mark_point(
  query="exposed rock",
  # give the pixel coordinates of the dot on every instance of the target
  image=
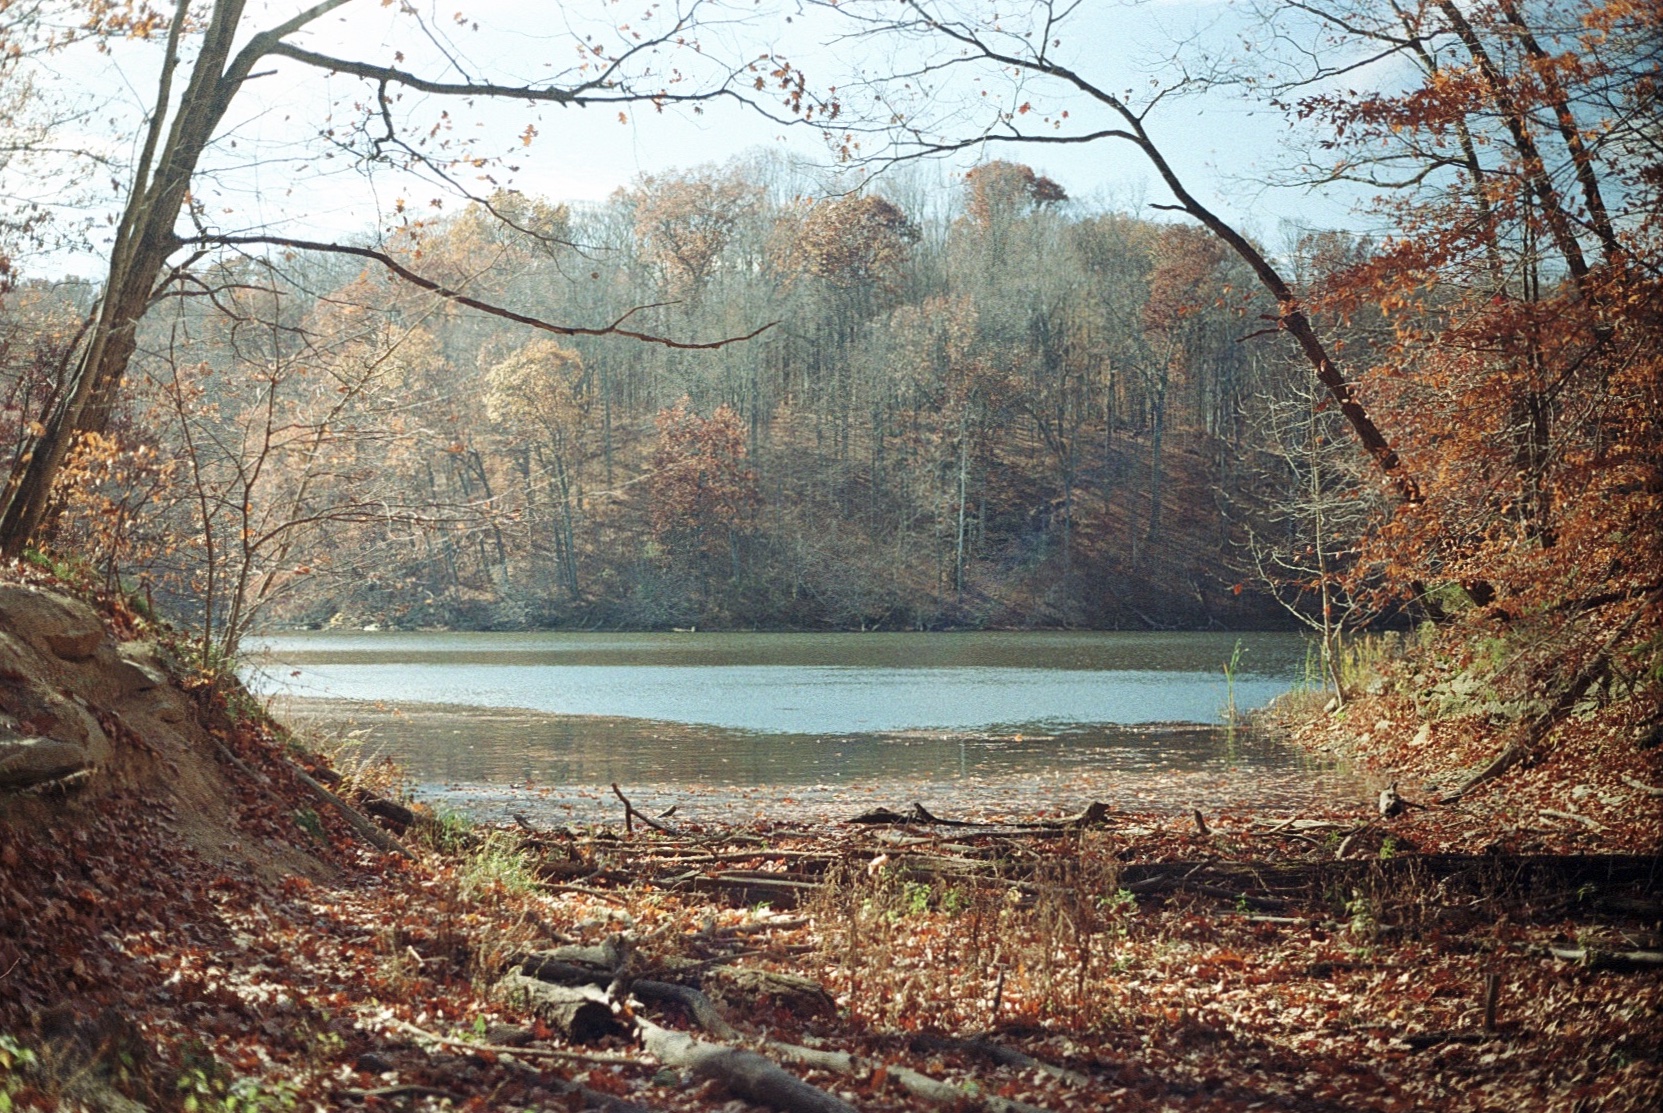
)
(56, 624)
(134, 677)
(31, 761)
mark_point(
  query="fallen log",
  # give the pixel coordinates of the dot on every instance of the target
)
(399, 816)
(801, 995)
(580, 1013)
(372, 834)
(937, 1092)
(1621, 961)
(1529, 740)
(703, 1011)
(606, 1057)
(744, 1073)
(997, 1053)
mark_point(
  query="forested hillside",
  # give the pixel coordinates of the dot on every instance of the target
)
(924, 404)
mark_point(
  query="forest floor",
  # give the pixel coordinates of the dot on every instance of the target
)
(198, 927)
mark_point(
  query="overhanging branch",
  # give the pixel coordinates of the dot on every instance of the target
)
(422, 282)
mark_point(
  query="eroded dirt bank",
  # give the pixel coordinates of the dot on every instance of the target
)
(184, 921)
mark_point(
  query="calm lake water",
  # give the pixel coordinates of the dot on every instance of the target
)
(536, 722)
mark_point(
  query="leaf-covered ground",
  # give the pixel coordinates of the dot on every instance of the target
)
(195, 927)
(1138, 968)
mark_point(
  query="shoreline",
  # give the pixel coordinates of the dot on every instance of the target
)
(722, 790)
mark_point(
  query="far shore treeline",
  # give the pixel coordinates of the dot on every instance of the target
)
(985, 406)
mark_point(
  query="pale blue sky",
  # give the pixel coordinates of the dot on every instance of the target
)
(270, 166)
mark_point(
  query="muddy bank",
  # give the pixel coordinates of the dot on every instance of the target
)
(491, 764)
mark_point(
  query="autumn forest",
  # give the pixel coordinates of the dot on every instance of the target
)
(921, 317)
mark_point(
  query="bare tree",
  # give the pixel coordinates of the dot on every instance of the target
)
(948, 47)
(210, 57)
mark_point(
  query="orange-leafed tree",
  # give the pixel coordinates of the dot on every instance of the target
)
(684, 222)
(1522, 365)
(702, 494)
(854, 241)
(999, 191)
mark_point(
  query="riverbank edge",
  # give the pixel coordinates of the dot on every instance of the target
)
(1595, 784)
(244, 945)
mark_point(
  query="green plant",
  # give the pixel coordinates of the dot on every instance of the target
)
(1364, 920)
(1388, 848)
(310, 823)
(915, 898)
(15, 1062)
(205, 1086)
(497, 866)
(449, 832)
(1231, 668)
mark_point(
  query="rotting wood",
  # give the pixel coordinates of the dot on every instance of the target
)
(580, 1013)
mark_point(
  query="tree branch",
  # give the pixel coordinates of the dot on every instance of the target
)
(460, 298)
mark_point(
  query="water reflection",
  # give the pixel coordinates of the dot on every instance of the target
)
(542, 722)
(797, 684)
(465, 744)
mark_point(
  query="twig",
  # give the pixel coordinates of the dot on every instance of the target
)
(631, 811)
(400, 1091)
(1591, 824)
(1345, 843)
(599, 894)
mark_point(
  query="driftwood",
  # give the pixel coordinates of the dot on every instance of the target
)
(744, 1073)
(1094, 814)
(631, 814)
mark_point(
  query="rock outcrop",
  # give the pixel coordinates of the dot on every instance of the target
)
(65, 684)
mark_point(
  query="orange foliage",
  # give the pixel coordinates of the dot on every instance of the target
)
(701, 489)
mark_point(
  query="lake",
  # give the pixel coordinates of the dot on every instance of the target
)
(796, 724)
